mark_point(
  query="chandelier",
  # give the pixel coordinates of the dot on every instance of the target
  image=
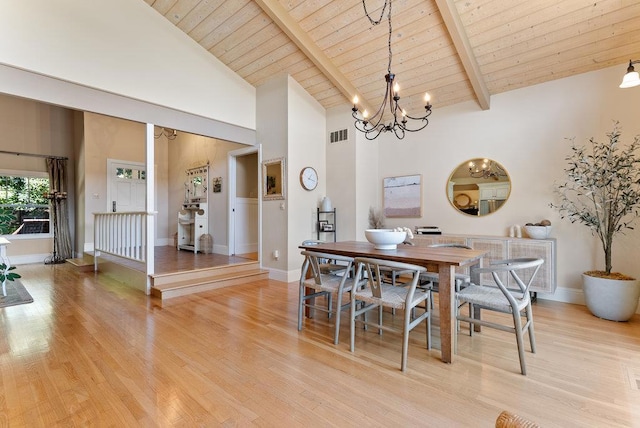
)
(399, 121)
(171, 134)
(487, 169)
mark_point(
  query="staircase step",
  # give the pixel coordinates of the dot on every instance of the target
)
(166, 286)
(83, 264)
(161, 279)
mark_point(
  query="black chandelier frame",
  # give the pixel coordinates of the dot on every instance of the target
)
(374, 126)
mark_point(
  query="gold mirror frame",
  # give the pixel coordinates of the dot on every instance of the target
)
(478, 187)
(273, 179)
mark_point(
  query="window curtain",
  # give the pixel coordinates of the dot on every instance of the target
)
(60, 211)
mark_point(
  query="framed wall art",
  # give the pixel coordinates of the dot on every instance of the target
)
(402, 196)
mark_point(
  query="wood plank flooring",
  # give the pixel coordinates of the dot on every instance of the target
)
(168, 259)
(92, 352)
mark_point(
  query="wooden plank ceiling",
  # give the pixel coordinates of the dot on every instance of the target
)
(457, 50)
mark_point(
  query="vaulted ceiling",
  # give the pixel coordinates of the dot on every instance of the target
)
(457, 50)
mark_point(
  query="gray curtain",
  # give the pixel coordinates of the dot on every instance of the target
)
(59, 208)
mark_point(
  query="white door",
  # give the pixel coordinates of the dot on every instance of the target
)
(244, 208)
(126, 188)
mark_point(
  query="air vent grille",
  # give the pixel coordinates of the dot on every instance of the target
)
(337, 136)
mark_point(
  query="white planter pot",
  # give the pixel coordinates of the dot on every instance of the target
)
(611, 299)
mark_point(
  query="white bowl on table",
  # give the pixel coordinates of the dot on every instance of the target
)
(538, 232)
(385, 239)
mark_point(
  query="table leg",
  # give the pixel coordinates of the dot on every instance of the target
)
(447, 315)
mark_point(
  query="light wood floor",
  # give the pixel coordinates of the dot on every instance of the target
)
(92, 352)
(168, 259)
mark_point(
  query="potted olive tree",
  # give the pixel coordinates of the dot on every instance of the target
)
(602, 191)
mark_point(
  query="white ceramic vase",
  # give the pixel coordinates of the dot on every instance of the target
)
(326, 204)
(611, 299)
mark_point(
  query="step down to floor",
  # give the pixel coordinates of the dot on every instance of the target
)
(168, 285)
(83, 264)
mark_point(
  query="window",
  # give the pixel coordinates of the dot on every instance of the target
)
(24, 208)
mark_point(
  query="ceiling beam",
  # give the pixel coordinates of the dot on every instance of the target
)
(291, 28)
(461, 42)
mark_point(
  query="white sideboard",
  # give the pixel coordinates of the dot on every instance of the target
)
(500, 248)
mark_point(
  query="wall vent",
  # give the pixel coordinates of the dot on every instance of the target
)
(337, 136)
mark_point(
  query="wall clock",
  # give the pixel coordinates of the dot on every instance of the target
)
(308, 178)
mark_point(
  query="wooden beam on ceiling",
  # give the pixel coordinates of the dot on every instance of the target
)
(461, 42)
(291, 28)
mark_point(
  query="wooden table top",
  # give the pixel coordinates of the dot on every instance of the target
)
(404, 253)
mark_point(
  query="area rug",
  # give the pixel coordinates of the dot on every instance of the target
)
(16, 294)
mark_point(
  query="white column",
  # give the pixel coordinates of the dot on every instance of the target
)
(150, 204)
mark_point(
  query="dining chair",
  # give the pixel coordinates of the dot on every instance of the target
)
(376, 293)
(315, 283)
(327, 266)
(514, 301)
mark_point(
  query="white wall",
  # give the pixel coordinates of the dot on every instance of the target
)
(525, 131)
(307, 136)
(273, 134)
(122, 47)
(190, 151)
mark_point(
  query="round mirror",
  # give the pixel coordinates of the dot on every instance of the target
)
(478, 187)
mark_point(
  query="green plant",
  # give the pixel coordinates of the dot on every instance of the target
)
(6, 275)
(602, 190)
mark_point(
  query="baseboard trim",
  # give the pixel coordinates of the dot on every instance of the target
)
(28, 259)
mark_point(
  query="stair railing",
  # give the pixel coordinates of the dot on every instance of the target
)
(121, 234)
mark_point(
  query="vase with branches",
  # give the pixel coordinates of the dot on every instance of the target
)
(602, 191)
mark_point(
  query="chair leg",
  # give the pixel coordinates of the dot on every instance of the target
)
(336, 336)
(380, 319)
(300, 307)
(532, 336)
(517, 321)
(329, 304)
(405, 339)
(352, 325)
(426, 306)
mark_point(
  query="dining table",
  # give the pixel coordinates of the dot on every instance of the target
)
(444, 259)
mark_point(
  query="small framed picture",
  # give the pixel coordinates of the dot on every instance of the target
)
(217, 184)
(327, 227)
(322, 224)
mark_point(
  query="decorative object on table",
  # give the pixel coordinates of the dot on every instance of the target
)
(7, 275)
(428, 230)
(376, 219)
(16, 294)
(402, 196)
(308, 178)
(515, 231)
(540, 230)
(217, 184)
(326, 205)
(602, 192)
(385, 239)
(406, 230)
(398, 119)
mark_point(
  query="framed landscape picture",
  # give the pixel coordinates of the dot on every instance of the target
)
(402, 196)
